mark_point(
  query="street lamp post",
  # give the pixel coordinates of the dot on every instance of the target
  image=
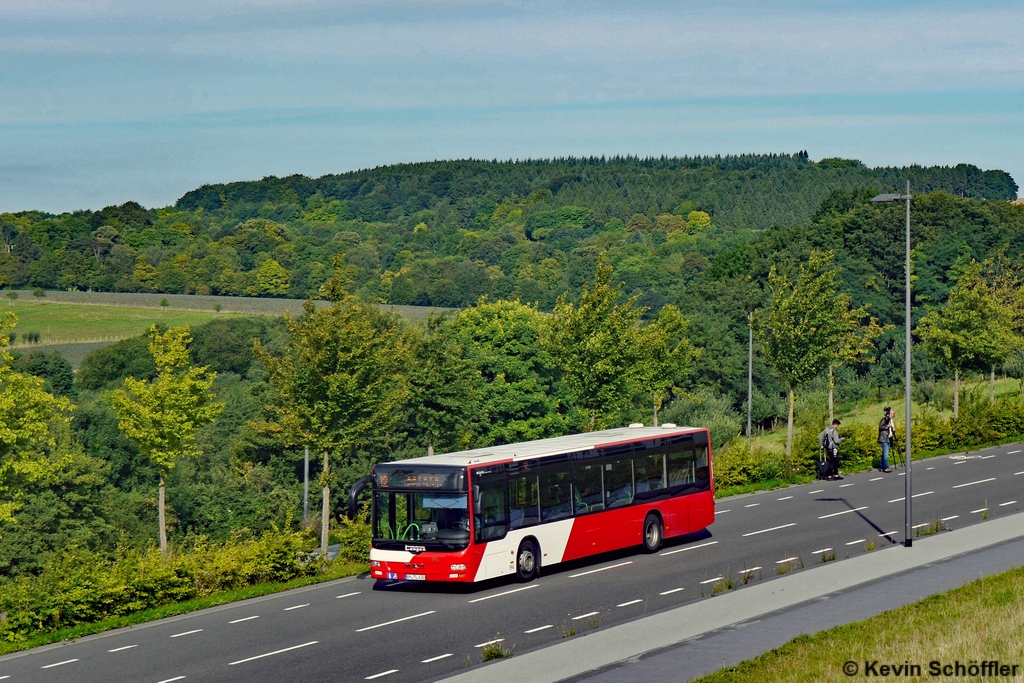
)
(750, 374)
(908, 540)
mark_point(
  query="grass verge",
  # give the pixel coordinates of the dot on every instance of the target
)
(980, 621)
(337, 571)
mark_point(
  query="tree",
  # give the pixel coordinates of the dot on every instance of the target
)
(1004, 280)
(271, 280)
(972, 332)
(807, 322)
(161, 416)
(338, 384)
(599, 347)
(444, 388)
(669, 355)
(856, 346)
(27, 417)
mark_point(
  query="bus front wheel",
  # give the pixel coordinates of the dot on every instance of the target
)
(527, 561)
(653, 533)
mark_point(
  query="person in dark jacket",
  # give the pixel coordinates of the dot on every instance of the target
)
(829, 440)
(886, 430)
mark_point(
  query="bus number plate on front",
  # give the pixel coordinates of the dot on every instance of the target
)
(415, 577)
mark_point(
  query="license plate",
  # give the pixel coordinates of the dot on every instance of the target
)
(415, 577)
(393, 575)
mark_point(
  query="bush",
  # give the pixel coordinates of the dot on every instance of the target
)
(354, 536)
(739, 464)
(80, 586)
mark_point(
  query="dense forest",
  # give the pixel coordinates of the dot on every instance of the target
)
(702, 234)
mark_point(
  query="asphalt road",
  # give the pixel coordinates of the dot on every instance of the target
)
(356, 630)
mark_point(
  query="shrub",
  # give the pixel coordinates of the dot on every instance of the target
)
(354, 536)
(740, 464)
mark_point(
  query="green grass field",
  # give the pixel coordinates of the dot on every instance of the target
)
(980, 621)
(75, 323)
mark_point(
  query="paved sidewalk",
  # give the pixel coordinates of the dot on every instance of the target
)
(601, 655)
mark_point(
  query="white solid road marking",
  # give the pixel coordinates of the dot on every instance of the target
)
(1012, 452)
(972, 483)
(946, 519)
(169, 680)
(774, 528)
(66, 661)
(289, 609)
(859, 540)
(631, 602)
(239, 621)
(126, 647)
(877, 479)
(817, 491)
(674, 590)
(539, 628)
(692, 547)
(496, 641)
(347, 595)
(916, 495)
(382, 673)
(974, 512)
(843, 486)
(498, 595)
(844, 512)
(275, 652)
(186, 633)
(752, 505)
(717, 578)
(823, 550)
(395, 621)
(434, 659)
(785, 498)
(594, 571)
(584, 616)
(1009, 502)
(788, 559)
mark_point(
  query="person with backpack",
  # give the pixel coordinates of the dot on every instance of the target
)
(828, 441)
(886, 431)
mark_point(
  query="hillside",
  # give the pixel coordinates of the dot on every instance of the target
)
(445, 233)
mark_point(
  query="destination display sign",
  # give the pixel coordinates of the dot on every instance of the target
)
(421, 478)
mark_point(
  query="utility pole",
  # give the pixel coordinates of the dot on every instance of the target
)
(750, 373)
(305, 486)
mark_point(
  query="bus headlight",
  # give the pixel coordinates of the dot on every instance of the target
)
(374, 563)
(458, 567)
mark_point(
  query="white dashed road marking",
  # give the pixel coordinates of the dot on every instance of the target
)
(717, 578)
(774, 528)
(786, 498)
(916, 495)
(584, 616)
(859, 540)
(594, 571)
(346, 595)
(66, 661)
(823, 550)
(813, 492)
(394, 621)
(877, 479)
(539, 628)
(692, 547)
(721, 512)
(126, 647)
(1013, 452)
(674, 590)
(631, 602)
(843, 486)
(239, 621)
(275, 652)
(946, 519)
(844, 512)
(918, 526)
(974, 512)
(752, 505)
(752, 569)
(289, 609)
(434, 659)
(186, 633)
(1009, 502)
(788, 559)
(495, 641)
(498, 595)
(972, 483)
(169, 680)
(381, 674)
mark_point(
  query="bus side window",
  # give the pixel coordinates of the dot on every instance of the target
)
(588, 485)
(650, 474)
(523, 500)
(555, 494)
(489, 518)
(618, 482)
(681, 468)
(702, 472)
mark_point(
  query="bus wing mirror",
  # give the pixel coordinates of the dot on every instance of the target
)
(477, 499)
(353, 495)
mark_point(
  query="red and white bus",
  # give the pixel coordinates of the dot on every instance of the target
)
(512, 509)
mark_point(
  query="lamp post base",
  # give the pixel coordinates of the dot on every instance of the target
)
(908, 543)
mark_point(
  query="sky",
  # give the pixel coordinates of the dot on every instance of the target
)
(105, 101)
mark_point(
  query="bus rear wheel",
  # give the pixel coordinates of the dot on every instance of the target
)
(527, 561)
(653, 533)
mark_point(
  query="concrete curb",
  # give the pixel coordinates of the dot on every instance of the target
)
(577, 656)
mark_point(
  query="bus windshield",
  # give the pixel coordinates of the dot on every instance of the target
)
(434, 519)
(421, 506)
